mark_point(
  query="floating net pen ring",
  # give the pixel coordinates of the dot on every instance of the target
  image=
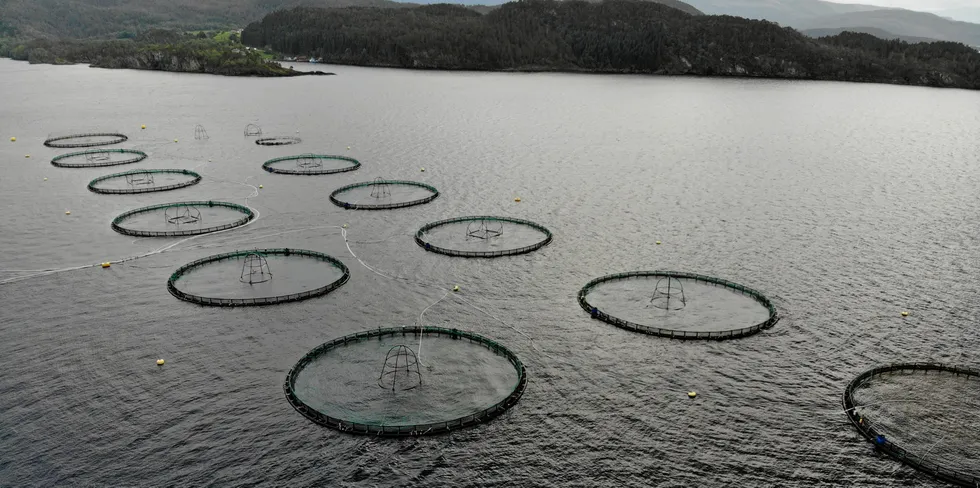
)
(378, 187)
(96, 158)
(680, 302)
(310, 164)
(489, 227)
(140, 179)
(256, 270)
(381, 429)
(278, 141)
(175, 211)
(63, 142)
(866, 426)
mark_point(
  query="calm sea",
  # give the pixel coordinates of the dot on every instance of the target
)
(845, 203)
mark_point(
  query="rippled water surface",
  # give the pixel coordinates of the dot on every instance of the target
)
(844, 203)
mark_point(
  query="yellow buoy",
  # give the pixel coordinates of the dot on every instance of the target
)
(27, 155)
(518, 199)
(159, 362)
(143, 126)
(106, 264)
(423, 170)
(905, 314)
(456, 288)
(692, 394)
(13, 139)
(345, 226)
(45, 179)
(658, 243)
(260, 186)
(67, 212)
(175, 140)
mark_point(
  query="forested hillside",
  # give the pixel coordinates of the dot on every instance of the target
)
(615, 36)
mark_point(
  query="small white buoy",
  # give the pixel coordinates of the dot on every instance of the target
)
(27, 156)
(348, 148)
(160, 362)
(45, 179)
(260, 186)
(67, 212)
(423, 170)
(175, 140)
(692, 394)
(456, 288)
(905, 314)
(345, 226)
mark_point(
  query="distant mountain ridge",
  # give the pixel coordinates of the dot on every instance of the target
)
(879, 33)
(818, 14)
(785, 12)
(903, 23)
(102, 18)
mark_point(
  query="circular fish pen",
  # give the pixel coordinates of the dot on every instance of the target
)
(925, 415)
(278, 141)
(144, 181)
(311, 164)
(374, 383)
(98, 158)
(90, 139)
(257, 277)
(482, 236)
(182, 219)
(677, 305)
(382, 194)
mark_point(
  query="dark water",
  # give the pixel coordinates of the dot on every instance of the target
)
(844, 203)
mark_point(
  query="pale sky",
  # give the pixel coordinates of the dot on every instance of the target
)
(925, 5)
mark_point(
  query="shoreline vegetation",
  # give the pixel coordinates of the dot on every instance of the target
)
(609, 37)
(157, 51)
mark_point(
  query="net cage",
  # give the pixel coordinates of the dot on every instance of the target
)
(868, 422)
(483, 229)
(380, 196)
(664, 289)
(96, 158)
(278, 141)
(382, 429)
(143, 181)
(84, 139)
(255, 267)
(252, 130)
(200, 133)
(400, 370)
(182, 213)
(311, 164)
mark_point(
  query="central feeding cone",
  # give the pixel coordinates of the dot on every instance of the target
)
(668, 294)
(255, 269)
(400, 370)
(484, 229)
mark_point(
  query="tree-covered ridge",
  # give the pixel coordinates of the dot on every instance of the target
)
(158, 50)
(615, 36)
